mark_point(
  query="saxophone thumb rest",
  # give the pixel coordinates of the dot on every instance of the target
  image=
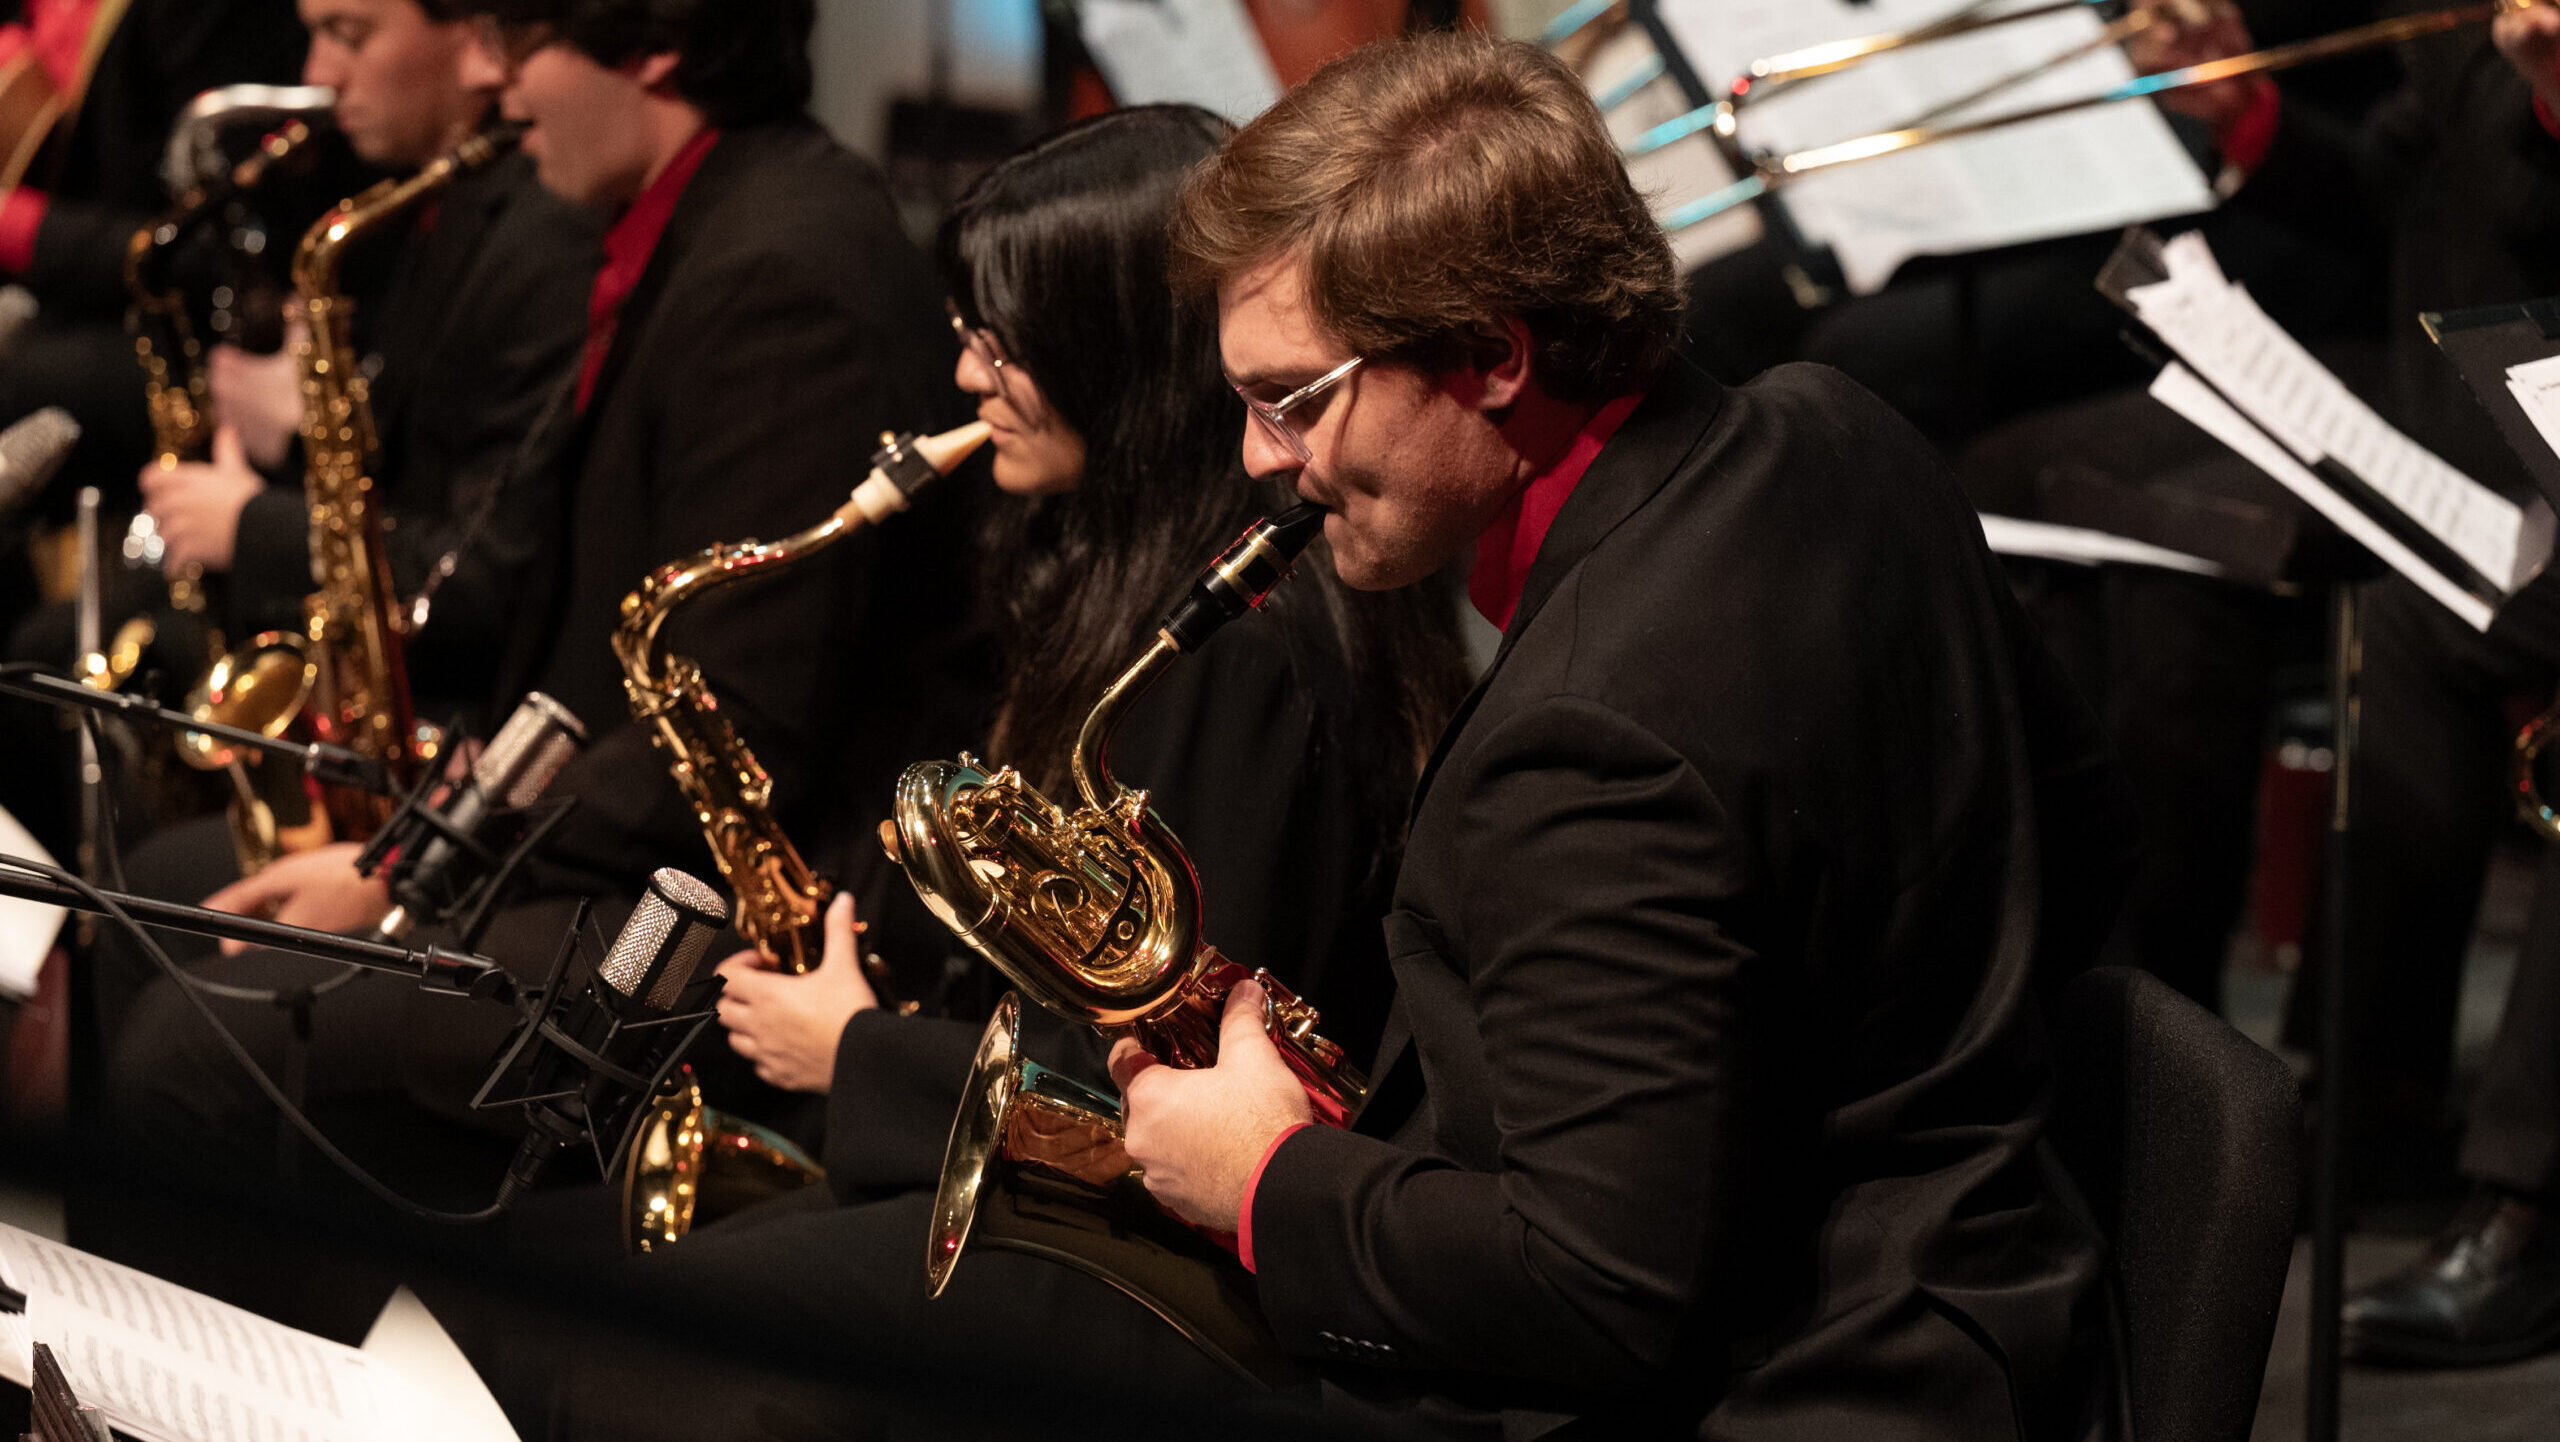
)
(906, 464)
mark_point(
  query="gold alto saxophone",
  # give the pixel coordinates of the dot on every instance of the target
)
(172, 358)
(668, 1182)
(1096, 914)
(344, 677)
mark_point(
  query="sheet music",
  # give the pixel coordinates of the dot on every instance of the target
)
(1676, 174)
(169, 1365)
(1203, 52)
(27, 928)
(2180, 390)
(2097, 170)
(2219, 331)
(2078, 545)
(2536, 387)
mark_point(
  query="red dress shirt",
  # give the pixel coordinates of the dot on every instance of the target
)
(627, 249)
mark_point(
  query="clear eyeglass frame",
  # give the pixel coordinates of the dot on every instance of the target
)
(1011, 383)
(1274, 415)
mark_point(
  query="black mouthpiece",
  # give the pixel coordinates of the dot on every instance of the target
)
(1236, 583)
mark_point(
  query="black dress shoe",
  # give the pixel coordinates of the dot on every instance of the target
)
(2487, 1290)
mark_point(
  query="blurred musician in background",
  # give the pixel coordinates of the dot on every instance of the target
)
(758, 321)
(476, 326)
(127, 68)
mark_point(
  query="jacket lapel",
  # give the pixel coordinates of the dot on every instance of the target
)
(1639, 460)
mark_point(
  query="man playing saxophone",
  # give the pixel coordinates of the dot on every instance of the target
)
(757, 323)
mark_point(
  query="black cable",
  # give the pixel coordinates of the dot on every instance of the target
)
(150, 945)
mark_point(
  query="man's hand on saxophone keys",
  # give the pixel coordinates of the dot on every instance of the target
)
(1200, 1134)
(196, 504)
(788, 1026)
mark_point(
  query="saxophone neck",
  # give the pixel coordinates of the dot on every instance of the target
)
(1092, 759)
(1235, 583)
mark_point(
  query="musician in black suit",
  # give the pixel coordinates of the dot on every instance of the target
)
(473, 330)
(759, 320)
(63, 232)
(1712, 1100)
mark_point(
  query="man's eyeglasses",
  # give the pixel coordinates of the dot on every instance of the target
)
(1011, 383)
(1274, 415)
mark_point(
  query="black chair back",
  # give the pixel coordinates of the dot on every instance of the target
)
(2186, 1137)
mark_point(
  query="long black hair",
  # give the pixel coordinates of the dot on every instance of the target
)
(1060, 251)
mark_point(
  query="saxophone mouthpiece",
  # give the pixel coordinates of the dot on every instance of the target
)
(1238, 581)
(906, 464)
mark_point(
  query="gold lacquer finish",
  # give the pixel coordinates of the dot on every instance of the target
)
(1095, 914)
(780, 899)
(688, 1160)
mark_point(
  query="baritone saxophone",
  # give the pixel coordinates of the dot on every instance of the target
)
(1095, 914)
(690, 1161)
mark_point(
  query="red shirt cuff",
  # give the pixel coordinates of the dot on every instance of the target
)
(2247, 139)
(2550, 122)
(1244, 1213)
(21, 215)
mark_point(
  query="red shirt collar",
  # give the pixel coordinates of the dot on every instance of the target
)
(1509, 546)
(627, 250)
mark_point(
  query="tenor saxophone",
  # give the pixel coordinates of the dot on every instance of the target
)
(670, 1181)
(343, 678)
(1095, 914)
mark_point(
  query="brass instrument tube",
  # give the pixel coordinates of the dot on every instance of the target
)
(1772, 172)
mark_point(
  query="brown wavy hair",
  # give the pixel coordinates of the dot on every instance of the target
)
(1431, 185)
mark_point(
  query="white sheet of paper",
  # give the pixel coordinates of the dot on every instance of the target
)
(1676, 174)
(27, 928)
(2536, 387)
(429, 1391)
(2078, 545)
(169, 1365)
(2182, 391)
(2097, 170)
(1203, 52)
(2219, 331)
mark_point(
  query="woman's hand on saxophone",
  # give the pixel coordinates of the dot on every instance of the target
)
(788, 1025)
(1201, 1134)
(319, 889)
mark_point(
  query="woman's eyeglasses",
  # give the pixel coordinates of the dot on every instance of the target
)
(1011, 383)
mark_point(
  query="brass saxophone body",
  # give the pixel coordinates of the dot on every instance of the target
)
(1095, 914)
(164, 336)
(344, 677)
(692, 1162)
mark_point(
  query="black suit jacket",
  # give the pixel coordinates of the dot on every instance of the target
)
(1712, 1096)
(105, 181)
(782, 324)
(476, 332)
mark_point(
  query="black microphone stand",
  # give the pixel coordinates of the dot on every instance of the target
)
(327, 764)
(434, 968)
